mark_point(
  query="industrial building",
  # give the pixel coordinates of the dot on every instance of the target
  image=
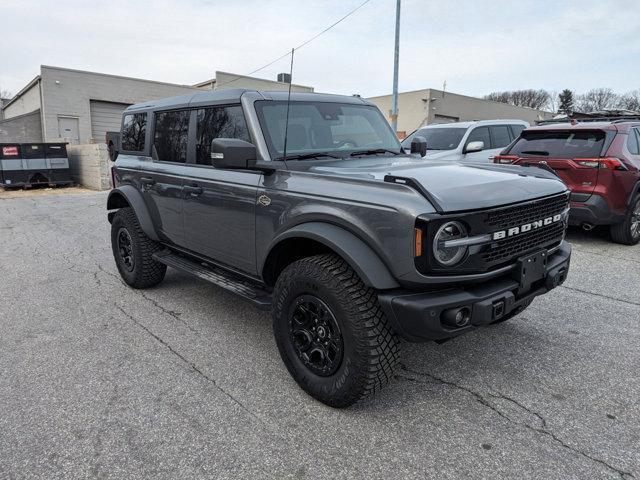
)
(79, 107)
(424, 107)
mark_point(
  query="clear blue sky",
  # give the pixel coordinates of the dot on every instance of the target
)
(476, 46)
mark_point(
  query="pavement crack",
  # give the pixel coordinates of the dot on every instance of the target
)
(172, 313)
(586, 292)
(192, 366)
(543, 430)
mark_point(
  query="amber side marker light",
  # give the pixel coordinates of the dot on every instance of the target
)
(417, 242)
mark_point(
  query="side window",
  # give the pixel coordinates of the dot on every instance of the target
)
(134, 128)
(480, 134)
(516, 130)
(170, 136)
(632, 142)
(218, 122)
(500, 135)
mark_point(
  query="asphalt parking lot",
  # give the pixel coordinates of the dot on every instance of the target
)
(184, 380)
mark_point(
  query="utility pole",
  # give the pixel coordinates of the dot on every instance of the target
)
(396, 56)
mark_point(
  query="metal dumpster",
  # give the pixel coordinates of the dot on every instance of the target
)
(31, 164)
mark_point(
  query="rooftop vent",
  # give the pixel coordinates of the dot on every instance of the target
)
(284, 78)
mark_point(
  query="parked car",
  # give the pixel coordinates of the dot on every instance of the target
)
(32, 164)
(474, 142)
(310, 208)
(600, 162)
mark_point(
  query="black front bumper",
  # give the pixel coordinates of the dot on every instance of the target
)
(418, 316)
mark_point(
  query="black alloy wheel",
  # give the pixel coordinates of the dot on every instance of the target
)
(125, 249)
(316, 335)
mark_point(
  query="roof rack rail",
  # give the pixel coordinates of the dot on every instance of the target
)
(599, 118)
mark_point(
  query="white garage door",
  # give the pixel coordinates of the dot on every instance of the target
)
(105, 117)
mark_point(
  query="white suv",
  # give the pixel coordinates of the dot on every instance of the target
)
(467, 141)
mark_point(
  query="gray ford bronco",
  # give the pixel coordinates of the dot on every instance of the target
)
(309, 207)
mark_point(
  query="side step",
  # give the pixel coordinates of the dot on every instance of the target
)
(230, 282)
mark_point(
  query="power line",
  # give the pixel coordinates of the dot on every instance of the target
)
(306, 42)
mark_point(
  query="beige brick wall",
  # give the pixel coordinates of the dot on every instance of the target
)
(90, 165)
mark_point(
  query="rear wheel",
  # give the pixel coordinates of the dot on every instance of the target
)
(628, 232)
(133, 251)
(331, 332)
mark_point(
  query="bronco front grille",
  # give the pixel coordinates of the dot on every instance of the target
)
(521, 214)
(515, 246)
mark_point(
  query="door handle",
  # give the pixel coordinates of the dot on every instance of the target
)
(147, 181)
(193, 190)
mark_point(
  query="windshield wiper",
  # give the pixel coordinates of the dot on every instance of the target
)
(542, 153)
(373, 151)
(303, 156)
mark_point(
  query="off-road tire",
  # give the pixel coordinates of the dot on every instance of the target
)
(146, 271)
(621, 232)
(513, 313)
(371, 349)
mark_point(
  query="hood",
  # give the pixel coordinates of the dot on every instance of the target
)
(455, 186)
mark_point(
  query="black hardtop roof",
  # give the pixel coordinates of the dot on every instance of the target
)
(233, 96)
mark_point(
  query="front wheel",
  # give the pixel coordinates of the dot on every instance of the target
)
(628, 232)
(331, 332)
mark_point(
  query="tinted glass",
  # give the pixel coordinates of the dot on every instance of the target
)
(516, 130)
(134, 128)
(321, 127)
(480, 134)
(560, 144)
(218, 122)
(632, 142)
(438, 138)
(500, 136)
(33, 150)
(170, 137)
(55, 151)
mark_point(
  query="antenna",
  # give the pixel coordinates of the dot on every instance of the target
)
(286, 122)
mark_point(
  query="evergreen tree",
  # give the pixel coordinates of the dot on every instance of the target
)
(566, 102)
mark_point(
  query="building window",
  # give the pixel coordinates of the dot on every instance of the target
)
(134, 128)
(218, 122)
(170, 136)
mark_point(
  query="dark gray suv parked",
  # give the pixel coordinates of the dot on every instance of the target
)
(310, 208)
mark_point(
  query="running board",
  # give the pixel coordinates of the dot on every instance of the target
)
(232, 283)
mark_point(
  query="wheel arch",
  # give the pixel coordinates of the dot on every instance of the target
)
(128, 196)
(314, 238)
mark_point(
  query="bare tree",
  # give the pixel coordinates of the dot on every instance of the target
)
(630, 101)
(597, 99)
(522, 98)
(5, 94)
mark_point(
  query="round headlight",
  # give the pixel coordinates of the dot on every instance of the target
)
(448, 256)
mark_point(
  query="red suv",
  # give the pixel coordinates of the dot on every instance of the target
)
(599, 162)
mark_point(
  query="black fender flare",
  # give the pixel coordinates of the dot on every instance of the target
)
(128, 195)
(634, 191)
(362, 258)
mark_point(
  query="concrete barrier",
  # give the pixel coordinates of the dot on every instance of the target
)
(89, 165)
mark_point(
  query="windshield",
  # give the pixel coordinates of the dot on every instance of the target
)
(321, 127)
(560, 144)
(438, 138)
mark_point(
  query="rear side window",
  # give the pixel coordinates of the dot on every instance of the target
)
(170, 136)
(218, 122)
(516, 130)
(134, 128)
(632, 142)
(500, 136)
(560, 144)
(10, 151)
(480, 134)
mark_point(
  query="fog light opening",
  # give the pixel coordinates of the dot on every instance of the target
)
(456, 317)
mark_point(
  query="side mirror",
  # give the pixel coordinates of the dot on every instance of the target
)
(419, 145)
(472, 147)
(113, 145)
(232, 153)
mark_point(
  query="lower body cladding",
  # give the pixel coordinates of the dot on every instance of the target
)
(592, 210)
(439, 315)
